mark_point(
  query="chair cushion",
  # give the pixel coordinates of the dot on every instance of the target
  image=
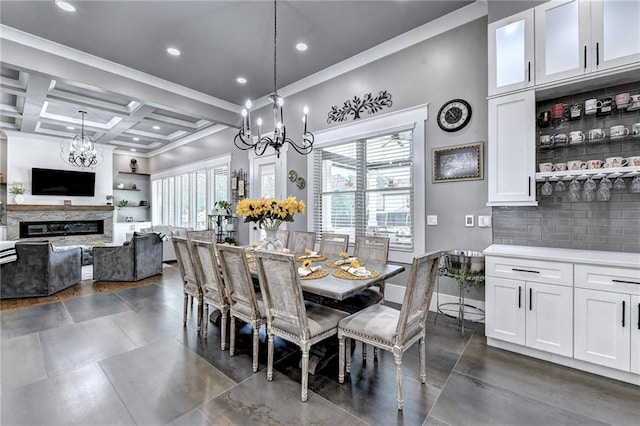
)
(377, 322)
(319, 318)
(245, 310)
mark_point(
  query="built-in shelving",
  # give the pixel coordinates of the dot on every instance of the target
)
(584, 174)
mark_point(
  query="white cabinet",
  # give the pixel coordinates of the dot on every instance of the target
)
(120, 230)
(578, 37)
(511, 53)
(530, 304)
(511, 150)
(606, 318)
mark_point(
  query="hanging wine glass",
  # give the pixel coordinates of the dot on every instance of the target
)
(574, 190)
(606, 183)
(619, 184)
(635, 185)
(560, 186)
(590, 184)
(547, 188)
(574, 185)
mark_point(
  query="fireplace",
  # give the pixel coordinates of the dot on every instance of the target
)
(61, 228)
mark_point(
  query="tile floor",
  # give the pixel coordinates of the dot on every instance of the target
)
(123, 357)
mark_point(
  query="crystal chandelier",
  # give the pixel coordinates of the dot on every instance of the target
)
(244, 140)
(82, 150)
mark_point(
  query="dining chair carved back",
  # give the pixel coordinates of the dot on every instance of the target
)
(331, 245)
(243, 301)
(204, 235)
(288, 315)
(190, 284)
(213, 292)
(283, 236)
(389, 329)
(299, 241)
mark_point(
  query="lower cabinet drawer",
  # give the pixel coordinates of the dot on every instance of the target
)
(606, 278)
(557, 273)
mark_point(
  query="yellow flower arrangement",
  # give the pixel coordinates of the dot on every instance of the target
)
(344, 255)
(269, 212)
(306, 264)
(355, 263)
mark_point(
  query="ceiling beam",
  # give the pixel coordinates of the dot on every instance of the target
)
(36, 95)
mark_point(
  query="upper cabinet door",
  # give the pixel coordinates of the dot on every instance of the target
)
(511, 53)
(563, 40)
(511, 150)
(615, 33)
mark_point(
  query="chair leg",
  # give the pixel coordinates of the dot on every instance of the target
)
(232, 339)
(423, 360)
(223, 330)
(341, 359)
(364, 353)
(398, 359)
(305, 374)
(199, 314)
(185, 304)
(256, 342)
(205, 320)
(270, 358)
(348, 356)
(192, 301)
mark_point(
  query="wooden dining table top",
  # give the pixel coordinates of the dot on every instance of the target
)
(340, 288)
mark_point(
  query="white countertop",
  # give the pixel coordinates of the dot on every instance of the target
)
(608, 258)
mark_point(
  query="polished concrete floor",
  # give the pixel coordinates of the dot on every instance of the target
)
(123, 357)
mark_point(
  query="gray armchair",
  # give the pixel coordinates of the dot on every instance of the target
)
(40, 270)
(135, 260)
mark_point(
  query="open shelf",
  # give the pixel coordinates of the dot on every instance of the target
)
(584, 174)
(135, 174)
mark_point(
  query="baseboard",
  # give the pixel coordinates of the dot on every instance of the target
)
(395, 293)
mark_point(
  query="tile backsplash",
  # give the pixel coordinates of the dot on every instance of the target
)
(612, 225)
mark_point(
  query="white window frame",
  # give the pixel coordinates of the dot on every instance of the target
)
(410, 118)
(190, 169)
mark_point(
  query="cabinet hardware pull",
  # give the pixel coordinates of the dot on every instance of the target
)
(530, 299)
(624, 305)
(597, 53)
(529, 71)
(519, 297)
(585, 57)
(625, 282)
(525, 270)
(638, 316)
(529, 186)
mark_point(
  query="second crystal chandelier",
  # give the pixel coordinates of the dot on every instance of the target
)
(245, 139)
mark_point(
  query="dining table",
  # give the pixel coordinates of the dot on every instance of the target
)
(335, 288)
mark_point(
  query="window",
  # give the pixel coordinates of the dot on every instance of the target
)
(369, 178)
(367, 188)
(183, 196)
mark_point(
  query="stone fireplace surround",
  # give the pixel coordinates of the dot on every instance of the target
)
(17, 213)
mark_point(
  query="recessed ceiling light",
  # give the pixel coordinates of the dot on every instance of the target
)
(241, 80)
(136, 139)
(156, 127)
(133, 149)
(71, 128)
(66, 6)
(173, 51)
(302, 46)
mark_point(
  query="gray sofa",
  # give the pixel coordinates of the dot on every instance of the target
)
(40, 270)
(168, 253)
(135, 260)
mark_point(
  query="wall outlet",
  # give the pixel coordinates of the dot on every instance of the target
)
(468, 221)
(432, 219)
(484, 221)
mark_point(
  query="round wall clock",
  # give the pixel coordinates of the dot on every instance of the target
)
(454, 115)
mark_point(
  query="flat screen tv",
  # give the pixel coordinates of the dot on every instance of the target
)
(62, 182)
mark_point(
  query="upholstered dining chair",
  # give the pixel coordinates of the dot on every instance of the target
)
(190, 285)
(375, 250)
(396, 331)
(300, 241)
(243, 301)
(331, 245)
(288, 315)
(213, 292)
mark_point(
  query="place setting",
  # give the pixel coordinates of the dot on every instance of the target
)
(311, 255)
(308, 271)
(355, 271)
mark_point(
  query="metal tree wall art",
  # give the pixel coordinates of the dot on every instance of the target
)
(356, 106)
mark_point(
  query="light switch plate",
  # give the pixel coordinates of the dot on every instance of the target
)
(484, 221)
(468, 221)
(432, 219)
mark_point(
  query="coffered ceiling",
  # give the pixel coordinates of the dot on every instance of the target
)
(114, 51)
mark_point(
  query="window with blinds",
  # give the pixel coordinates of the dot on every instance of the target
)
(366, 187)
(185, 199)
